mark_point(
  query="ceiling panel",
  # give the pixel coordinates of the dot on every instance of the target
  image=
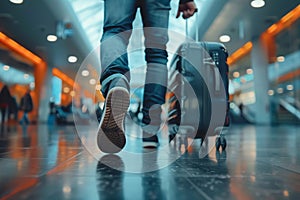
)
(244, 23)
(30, 23)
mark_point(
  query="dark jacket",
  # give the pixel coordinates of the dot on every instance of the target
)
(5, 97)
(13, 105)
(26, 103)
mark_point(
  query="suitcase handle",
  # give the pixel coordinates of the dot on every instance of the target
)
(217, 79)
(211, 63)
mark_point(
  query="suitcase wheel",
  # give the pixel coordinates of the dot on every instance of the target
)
(221, 142)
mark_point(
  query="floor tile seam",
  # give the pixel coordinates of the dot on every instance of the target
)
(276, 165)
(184, 169)
(199, 190)
(221, 176)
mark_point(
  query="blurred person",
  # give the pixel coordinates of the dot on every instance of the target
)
(118, 18)
(26, 106)
(52, 112)
(13, 108)
(52, 107)
(241, 107)
(5, 99)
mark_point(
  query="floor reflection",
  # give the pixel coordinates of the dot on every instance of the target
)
(4, 140)
(48, 162)
(152, 181)
(109, 188)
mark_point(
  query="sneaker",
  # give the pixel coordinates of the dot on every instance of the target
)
(150, 142)
(111, 133)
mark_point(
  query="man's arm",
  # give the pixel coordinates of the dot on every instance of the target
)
(187, 8)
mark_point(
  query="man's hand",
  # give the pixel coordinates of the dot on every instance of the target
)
(187, 9)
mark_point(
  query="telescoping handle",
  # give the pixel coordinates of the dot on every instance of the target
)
(196, 26)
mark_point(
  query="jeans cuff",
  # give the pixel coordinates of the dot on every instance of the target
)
(106, 82)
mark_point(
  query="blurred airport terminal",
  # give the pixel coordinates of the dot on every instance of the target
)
(49, 56)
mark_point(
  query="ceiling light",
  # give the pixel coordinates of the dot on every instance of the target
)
(280, 58)
(32, 85)
(26, 76)
(85, 73)
(92, 81)
(51, 38)
(6, 67)
(72, 93)
(66, 90)
(16, 1)
(236, 74)
(72, 59)
(224, 38)
(289, 87)
(257, 3)
(249, 71)
(270, 92)
(279, 90)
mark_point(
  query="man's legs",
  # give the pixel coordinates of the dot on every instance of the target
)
(23, 118)
(26, 118)
(155, 15)
(118, 18)
(3, 114)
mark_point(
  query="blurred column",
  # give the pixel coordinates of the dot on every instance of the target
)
(56, 84)
(42, 76)
(259, 60)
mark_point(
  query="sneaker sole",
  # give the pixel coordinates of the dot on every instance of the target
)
(150, 145)
(111, 134)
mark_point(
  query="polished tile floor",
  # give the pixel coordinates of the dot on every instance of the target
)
(49, 162)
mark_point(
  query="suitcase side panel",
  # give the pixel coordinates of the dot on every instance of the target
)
(196, 74)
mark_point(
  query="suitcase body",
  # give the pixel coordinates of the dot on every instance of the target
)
(198, 89)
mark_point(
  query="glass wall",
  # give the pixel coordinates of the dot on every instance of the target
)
(285, 77)
(242, 88)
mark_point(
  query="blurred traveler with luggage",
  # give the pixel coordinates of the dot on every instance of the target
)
(26, 106)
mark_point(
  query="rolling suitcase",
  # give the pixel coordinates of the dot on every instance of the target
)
(198, 96)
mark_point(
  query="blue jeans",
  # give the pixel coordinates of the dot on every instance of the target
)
(25, 118)
(118, 18)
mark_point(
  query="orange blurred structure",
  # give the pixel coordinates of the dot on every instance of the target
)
(40, 68)
(267, 37)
